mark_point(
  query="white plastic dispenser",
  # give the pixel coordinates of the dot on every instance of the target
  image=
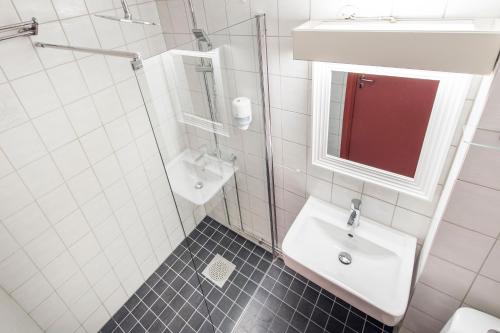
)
(242, 112)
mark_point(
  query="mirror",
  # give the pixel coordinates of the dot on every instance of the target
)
(389, 126)
(185, 72)
(380, 120)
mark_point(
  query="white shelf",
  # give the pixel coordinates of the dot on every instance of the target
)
(462, 46)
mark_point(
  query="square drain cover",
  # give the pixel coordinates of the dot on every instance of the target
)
(218, 270)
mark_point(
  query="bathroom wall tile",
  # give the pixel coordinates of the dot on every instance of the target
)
(377, 210)
(12, 111)
(319, 188)
(48, 311)
(22, 145)
(491, 268)
(69, 8)
(83, 116)
(70, 159)
(8, 15)
(41, 185)
(68, 82)
(96, 320)
(8, 244)
(42, 10)
(96, 145)
(419, 321)
(18, 58)
(99, 5)
(461, 246)
(72, 228)
(5, 166)
(447, 277)
(380, 192)
(45, 126)
(85, 249)
(107, 170)
(16, 270)
(289, 66)
(481, 166)
(45, 248)
(60, 270)
(119, 133)
(13, 194)
(348, 182)
(84, 186)
(294, 156)
(96, 210)
(291, 14)
(37, 94)
(33, 292)
(411, 223)
(27, 224)
(342, 196)
(295, 125)
(472, 207)
(433, 302)
(66, 323)
(57, 204)
(108, 104)
(74, 288)
(294, 94)
(95, 72)
(423, 207)
(130, 95)
(483, 296)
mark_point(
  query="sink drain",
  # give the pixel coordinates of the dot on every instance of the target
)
(198, 185)
(345, 258)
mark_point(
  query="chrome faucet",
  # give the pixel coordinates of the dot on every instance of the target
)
(353, 221)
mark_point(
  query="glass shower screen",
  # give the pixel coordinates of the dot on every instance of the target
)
(214, 167)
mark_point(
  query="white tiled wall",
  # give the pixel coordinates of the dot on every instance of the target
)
(86, 211)
(463, 268)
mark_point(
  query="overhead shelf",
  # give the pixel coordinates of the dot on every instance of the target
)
(462, 46)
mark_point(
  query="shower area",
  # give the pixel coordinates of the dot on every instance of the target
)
(208, 108)
(177, 213)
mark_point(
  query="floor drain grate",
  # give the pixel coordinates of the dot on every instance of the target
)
(218, 270)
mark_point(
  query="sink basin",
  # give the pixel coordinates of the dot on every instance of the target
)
(376, 274)
(198, 181)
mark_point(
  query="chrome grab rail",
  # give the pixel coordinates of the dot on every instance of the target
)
(28, 28)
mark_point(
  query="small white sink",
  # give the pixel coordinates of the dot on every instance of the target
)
(198, 181)
(378, 279)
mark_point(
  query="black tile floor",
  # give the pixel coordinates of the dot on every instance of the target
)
(261, 295)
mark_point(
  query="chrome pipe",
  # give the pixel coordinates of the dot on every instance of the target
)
(135, 57)
(266, 116)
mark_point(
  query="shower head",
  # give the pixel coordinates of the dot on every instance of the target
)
(127, 16)
(201, 36)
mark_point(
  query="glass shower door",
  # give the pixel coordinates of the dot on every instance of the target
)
(218, 170)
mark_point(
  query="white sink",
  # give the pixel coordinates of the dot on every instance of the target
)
(378, 279)
(198, 181)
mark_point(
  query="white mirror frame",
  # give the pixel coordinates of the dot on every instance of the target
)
(446, 112)
(178, 78)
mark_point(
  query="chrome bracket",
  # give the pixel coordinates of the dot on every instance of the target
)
(136, 64)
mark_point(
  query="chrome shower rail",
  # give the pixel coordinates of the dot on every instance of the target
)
(135, 57)
(27, 28)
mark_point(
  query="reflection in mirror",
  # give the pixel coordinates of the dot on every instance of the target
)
(380, 120)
